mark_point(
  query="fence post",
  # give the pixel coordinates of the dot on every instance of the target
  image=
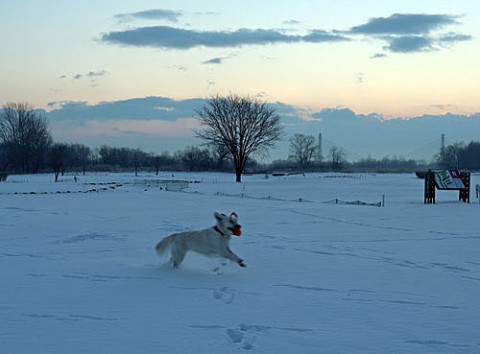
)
(429, 188)
(464, 194)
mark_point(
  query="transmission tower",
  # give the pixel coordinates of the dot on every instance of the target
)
(442, 145)
(320, 152)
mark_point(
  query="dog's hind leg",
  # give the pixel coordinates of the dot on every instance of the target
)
(178, 254)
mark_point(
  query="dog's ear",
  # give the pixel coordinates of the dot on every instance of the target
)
(218, 216)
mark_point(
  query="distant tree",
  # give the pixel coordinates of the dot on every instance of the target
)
(3, 157)
(26, 136)
(220, 155)
(243, 125)
(450, 156)
(471, 156)
(163, 160)
(189, 157)
(58, 158)
(123, 157)
(460, 156)
(139, 158)
(303, 149)
(386, 164)
(282, 165)
(337, 157)
(79, 156)
(194, 158)
(157, 163)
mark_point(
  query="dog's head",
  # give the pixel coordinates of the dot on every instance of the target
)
(228, 225)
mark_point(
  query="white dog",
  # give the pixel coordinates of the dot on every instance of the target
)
(213, 241)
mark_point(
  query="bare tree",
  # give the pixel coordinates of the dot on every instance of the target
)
(3, 157)
(156, 162)
(26, 136)
(337, 157)
(243, 125)
(194, 158)
(164, 159)
(303, 149)
(450, 156)
(79, 156)
(138, 159)
(58, 158)
(220, 155)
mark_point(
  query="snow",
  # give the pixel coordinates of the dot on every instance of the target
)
(79, 273)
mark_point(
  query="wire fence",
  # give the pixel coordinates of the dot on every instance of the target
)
(181, 186)
(172, 185)
(243, 195)
(354, 202)
(298, 200)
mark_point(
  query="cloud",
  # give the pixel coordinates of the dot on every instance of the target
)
(291, 22)
(408, 44)
(93, 74)
(338, 114)
(379, 55)
(133, 109)
(454, 37)
(412, 44)
(119, 128)
(213, 61)
(153, 14)
(402, 33)
(177, 38)
(376, 136)
(411, 33)
(360, 78)
(152, 121)
(148, 135)
(402, 24)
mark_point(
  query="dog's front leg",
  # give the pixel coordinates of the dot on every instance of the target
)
(233, 257)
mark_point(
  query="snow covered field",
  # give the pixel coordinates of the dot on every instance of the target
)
(78, 271)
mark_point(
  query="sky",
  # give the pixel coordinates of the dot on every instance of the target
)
(376, 77)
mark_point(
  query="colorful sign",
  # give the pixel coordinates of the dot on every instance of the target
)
(448, 179)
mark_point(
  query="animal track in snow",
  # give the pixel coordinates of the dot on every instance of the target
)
(218, 269)
(242, 336)
(224, 294)
(246, 335)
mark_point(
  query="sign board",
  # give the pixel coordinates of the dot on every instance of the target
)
(448, 179)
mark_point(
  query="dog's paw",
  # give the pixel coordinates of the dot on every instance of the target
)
(241, 263)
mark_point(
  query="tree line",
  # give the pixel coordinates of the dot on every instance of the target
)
(460, 156)
(234, 128)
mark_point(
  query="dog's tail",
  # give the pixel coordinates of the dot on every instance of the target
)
(165, 244)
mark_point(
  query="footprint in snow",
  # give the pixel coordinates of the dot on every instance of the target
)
(224, 294)
(218, 269)
(241, 336)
